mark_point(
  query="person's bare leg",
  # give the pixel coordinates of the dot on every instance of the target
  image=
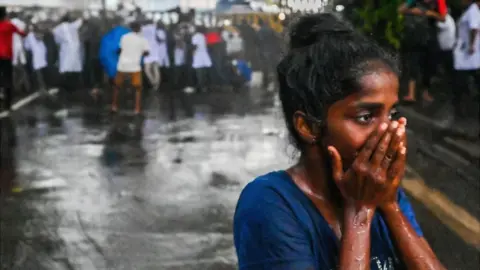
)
(138, 100)
(115, 99)
(411, 91)
(427, 96)
(158, 74)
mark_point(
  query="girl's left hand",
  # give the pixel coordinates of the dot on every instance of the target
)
(397, 151)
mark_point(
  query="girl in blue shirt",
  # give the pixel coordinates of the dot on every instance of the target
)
(340, 206)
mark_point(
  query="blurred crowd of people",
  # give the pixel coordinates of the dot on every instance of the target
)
(435, 45)
(76, 52)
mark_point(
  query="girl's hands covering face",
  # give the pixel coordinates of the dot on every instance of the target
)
(374, 177)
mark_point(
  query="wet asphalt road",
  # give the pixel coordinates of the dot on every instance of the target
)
(85, 196)
(91, 198)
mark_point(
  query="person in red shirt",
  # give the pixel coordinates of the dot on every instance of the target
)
(7, 29)
(217, 51)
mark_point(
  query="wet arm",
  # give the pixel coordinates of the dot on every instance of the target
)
(355, 247)
(415, 251)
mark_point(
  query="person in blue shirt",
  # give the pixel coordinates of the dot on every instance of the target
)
(340, 206)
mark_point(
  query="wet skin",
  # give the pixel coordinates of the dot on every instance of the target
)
(367, 147)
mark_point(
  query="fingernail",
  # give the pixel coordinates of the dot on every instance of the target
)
(394, 124)
(383, 126)
(403, 150)
(400, 131)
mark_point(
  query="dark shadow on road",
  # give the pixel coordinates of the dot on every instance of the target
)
(8, 139)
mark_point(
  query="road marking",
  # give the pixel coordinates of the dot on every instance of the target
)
(54, 182)
(453, 216)
(26, 100)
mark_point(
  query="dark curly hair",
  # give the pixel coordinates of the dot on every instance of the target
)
(325, 61)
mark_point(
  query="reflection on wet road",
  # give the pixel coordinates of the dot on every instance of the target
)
(87, 198)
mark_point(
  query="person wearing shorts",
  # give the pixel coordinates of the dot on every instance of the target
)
(133, 46)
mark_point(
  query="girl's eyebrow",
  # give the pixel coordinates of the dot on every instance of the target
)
(369, 105)
(372, 105)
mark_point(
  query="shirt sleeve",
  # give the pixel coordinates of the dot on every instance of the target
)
(447, 24)
(442, 7)
(407, 210)
(78, 23)
(57, 34)
(122, 41)
(410, 3)
(268, 236)
(474, 18)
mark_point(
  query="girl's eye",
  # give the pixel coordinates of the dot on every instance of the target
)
(364, 118)
(368, 117)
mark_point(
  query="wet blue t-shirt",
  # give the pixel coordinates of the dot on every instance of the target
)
(276, 226)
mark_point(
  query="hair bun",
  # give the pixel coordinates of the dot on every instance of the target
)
(308, 29)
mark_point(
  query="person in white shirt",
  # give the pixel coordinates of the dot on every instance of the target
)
(233, 41)
(70, 62)
(467, 53)
(201, 59)
(179, 58)
(66, 36)
(446, 36)
(163, 49)
(19, 57)
(446, 33)
(133, 46)
(34, 43)
(152, 61)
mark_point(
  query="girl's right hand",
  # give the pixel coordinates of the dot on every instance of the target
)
(367, 183)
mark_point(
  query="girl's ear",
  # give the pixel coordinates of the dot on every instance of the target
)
(307, 130)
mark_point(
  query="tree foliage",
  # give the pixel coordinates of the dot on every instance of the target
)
(380, 19)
